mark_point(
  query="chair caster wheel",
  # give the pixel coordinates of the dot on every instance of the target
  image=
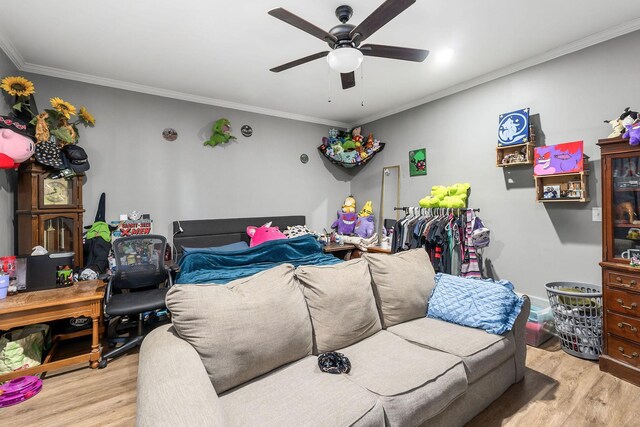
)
(112, 345)
(102, 364)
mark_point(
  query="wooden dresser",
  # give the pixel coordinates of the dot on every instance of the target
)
(620, 241)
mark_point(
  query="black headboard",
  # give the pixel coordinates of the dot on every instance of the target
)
(204, 233)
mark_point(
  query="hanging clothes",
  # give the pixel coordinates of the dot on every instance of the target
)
(446, 235)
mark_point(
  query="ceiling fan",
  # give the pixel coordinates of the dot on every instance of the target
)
(344, 39)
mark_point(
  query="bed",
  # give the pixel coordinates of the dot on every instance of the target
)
(203, 262)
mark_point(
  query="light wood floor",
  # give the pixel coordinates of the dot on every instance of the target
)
(558, 390)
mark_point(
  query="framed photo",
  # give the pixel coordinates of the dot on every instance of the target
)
(418, 162)
(513, 128)
(551, 192)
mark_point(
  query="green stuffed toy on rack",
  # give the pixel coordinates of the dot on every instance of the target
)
(454, 196)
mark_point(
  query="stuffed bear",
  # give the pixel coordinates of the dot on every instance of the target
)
(633, 133)
(346, 222)
(264, 234)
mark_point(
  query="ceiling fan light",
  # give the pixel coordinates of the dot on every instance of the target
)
(345, 59)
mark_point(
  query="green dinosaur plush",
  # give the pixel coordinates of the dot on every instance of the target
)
(220, 133)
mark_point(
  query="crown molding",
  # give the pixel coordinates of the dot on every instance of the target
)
(167, 93)
(572, 47)
(10, 50)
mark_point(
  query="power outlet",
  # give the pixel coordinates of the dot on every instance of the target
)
(596, 214)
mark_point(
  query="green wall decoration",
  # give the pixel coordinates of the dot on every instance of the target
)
(418, 162)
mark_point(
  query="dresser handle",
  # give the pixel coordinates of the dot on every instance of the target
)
(618, 279)
(633, 355)
(631, 307)
(621, 325)
(632, 283)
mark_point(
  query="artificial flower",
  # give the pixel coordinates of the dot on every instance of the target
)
(17, 86)
(87, 117)
(63, 107)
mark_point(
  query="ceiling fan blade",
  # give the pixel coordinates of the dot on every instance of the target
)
(348, 80)
(394, 52)
(296, 21)
(299, 61)
(380, 17)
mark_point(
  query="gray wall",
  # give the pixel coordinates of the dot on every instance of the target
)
(531, 243)
(7, 177)
(138, 169)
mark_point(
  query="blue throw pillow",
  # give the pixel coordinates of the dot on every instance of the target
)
(485, 304)
(224, 248)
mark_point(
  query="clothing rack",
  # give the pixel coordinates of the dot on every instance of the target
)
(437, 211)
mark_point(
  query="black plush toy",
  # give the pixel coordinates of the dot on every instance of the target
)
(628, 117)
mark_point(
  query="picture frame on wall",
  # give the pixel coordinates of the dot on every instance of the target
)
(418, 162)
(513, 128)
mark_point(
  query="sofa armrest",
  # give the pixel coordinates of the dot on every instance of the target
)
(173, 386)
(519, 330)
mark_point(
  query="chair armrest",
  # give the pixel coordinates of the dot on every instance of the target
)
(173, 386)
(519, 330)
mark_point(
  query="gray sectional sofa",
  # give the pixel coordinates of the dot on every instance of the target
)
(243, 354)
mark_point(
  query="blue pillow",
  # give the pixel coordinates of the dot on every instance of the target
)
(485, 304)
(224, 248)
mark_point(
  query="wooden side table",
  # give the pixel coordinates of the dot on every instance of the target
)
(348, 251)
(81, 299)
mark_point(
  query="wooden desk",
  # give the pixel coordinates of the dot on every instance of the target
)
(81, 299)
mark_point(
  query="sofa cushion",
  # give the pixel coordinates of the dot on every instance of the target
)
(341, 303)
(403, 283)
(412, 383)
(245, 328)
(479, 350)
(300, 394)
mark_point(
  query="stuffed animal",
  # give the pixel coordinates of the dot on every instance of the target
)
(297, 231)
(633, 133)
(264, 234)
(625, 210)
(369, 143)
(366, 210)
(360, 242)
(333, 133)
(42, 129)
(429, 202)
(453, 202)
(346, 222)
(356, 136)
(628, 117)
(14, 149)
(349, 204)
(348, 145)
(348, 157)
(454, 196)
(617, 128)
(220, 133)
(365, 226)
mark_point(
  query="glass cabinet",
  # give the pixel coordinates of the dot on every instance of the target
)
(624, 177)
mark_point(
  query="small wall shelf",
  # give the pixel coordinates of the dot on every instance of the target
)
(564, 187)
(507, 155)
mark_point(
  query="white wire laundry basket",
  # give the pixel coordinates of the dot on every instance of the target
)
(577, 313)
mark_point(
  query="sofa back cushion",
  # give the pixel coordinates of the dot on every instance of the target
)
(245, 328)
(341, 303)
(402, 283)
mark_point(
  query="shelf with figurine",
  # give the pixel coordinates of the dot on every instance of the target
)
(349, 150)
(561, 173)
(516, 154)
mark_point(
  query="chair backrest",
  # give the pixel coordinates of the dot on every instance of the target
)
(139, 261)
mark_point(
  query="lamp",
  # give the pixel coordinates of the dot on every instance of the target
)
(345, 59)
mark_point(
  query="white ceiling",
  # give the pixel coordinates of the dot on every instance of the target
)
(220, 52)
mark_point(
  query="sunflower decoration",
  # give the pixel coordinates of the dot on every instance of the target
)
(18, 86)
(86, 117)
(54, 121)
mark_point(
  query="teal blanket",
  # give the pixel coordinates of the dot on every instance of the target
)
(211, 266)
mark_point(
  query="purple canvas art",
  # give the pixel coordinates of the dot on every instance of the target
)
(560, 158)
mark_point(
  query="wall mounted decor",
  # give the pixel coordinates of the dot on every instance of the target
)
(220, 133)
(418, 162)
(246, 131)
(170, 134)
(559, 158)
(513, 128)
(349, 150)
(304, 158)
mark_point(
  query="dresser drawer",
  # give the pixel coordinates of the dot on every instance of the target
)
(623, 281)
(624, 351)
(624, 326)
(622, 302)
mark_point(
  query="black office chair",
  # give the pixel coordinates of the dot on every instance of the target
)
(138, 286)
